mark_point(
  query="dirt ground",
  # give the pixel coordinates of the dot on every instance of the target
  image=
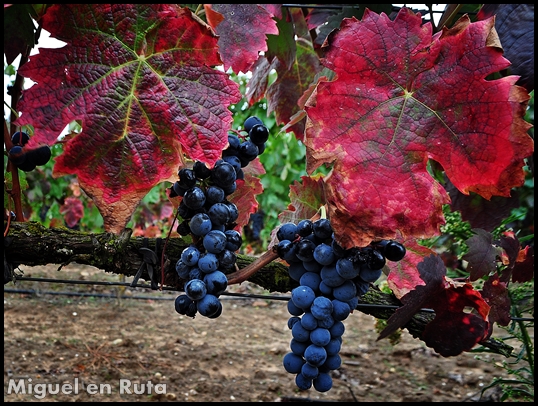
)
(101, 349)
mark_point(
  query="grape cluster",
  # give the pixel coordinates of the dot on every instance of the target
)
(210, 218)
(255, 225)
(330, 281)
(27, 160)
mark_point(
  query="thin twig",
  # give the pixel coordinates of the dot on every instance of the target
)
(252, 268)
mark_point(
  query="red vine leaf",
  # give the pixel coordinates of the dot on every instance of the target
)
(524, 266)
(479, 212)
(403, 276)
(242, 29)
(401, 98)
(306, 199)
(73, 211)
(245, 198)
(257, 85)
(431, 282)
(519, 262)
(482, 255)
(496, 295)
(452, 331)
(140, 78)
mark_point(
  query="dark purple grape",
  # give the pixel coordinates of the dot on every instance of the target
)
(324, 254)
(215, 241)
(234, 161)
(285, 249)
(199, 225)
(322, 229)
(305, 250)
(195, 273)
(183, 228)
(234, 212)
(187, 178)
(40, 155)
(287, 231)
(261, 148)
(201, 170)
(195, 289)
(248, 151)
(228, 190)
(240, 174)
(217, 313)
(190, 255)
(216, 283)
(28, 165)
(251, 122)
(223, 174)
(219, 214)
(208, 305)
(305, 228)
(233, 145)
(394, 251)
(194, 198)
(182, 269)
(172, 192)
(369, 275)
(182, 305)
(17, 155)
(375, 259)
(234, 240)
(184, 212)
(214, 194)
(20, 138)
(338, 250)
(227, 259)
(259, 134)
(178, 189)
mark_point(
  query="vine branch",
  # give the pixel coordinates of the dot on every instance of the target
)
(30, 243)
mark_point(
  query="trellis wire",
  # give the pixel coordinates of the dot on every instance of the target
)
(231, 295)
(145, 286)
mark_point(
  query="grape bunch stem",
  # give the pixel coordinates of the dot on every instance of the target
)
(248, 271)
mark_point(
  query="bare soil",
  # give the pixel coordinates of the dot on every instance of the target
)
(122, 344)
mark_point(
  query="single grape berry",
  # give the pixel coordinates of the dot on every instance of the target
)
(287, 231)
(195, 289)
(20, 138)
(187, 178)
(214, 194)
(194, 198)
(233, 146)
(178, 189)
(41, 155)
(375, 259)
(251, 122)
(259, 134)
(201, 170)
(305, 228)
(17, 155)
(248, 151)
(394, 251)
(223, 174)
(322, 229)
